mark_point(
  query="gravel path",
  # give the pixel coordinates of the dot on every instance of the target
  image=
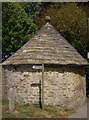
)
(81, 112)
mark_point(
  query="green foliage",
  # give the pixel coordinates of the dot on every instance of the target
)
(71, 21)
(17, 27)
(32, 8)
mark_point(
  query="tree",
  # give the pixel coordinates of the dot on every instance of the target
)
(71, 21)
(32, 8)
(17, 28)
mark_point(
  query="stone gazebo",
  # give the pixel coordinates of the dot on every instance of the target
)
(63, 73)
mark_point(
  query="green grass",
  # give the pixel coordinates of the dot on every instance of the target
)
(34, 111)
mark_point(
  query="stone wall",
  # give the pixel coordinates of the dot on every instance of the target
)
(0, 82)
(0, 91)
(63, 85)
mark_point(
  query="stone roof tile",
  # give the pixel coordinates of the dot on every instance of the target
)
(48, 47)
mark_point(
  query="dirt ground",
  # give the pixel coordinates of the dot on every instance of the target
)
(82, 111)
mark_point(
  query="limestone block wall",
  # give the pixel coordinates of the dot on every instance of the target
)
(63, 85)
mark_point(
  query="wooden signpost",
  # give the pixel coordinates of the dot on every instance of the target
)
(42, 83)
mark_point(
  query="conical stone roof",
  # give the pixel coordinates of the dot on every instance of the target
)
(48, 47)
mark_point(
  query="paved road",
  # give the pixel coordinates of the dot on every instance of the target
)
(82, 111)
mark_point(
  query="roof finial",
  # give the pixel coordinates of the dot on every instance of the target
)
(47, 19)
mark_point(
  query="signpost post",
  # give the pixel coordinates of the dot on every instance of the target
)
(11, 100)
(42, 83)
(42, 86)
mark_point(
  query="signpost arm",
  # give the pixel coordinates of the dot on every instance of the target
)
(42, 85)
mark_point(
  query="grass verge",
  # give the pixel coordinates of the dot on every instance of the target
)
(34, 111)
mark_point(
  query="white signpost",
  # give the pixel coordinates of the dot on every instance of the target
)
(37, 67)
(11, 100)
(88, 55)
(42, 83)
